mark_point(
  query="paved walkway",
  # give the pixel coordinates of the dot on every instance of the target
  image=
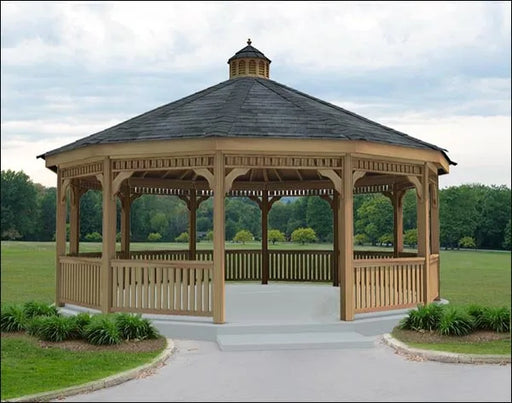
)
(199, 371)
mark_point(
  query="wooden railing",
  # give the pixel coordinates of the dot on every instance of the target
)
(433, 276)
(156, 286)
(300, 265)
(243, 264)
(364, 254)
(80, 281)
(383, 284)
(157, 255)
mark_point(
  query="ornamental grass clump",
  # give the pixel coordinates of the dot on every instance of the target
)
(496, 319)
(34, 308)
(80, 322)
(102, 330)
(425, 317)
(456, 323)
(52, 328)
(13, 319)
(134, 327)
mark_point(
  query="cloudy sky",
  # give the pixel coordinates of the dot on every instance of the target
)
(437, 71)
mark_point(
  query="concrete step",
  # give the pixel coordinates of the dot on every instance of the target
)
(293, 341)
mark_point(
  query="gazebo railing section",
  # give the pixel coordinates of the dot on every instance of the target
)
(300, 265)
(382, 284)
(80, 281)
(434, 276)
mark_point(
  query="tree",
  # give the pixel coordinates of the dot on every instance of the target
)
(467, 242)
(154, 237)
(386, 239)
(18, 204)
(274, 235)
(506, 238)
(93, 237)
(209, 235)
(319, 217)
(360, 239)
(304, 235)
(411, 237)
(183, 237)
(375, 218)
(279, 215)
(243, 236)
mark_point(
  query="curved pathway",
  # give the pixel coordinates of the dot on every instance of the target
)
(199, 371)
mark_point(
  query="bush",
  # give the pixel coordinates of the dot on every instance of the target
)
(102, 330)
(52, 328)
(154, 237)
(80, 322)
(13, 319)
(243, 236)
(134, 327)
(33, 308)
(274, 235)
(467, 242)
(183, 237)
(304, 235)
(425, 317)
(496, 319)
(456, 323)
(209, 235)
(93, 237)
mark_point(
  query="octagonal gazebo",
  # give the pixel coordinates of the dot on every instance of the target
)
(247, 136)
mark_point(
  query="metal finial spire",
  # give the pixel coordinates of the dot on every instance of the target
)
(249, 41)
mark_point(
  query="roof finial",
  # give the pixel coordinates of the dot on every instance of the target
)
(249, 41)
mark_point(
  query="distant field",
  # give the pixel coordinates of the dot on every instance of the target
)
(28, 270)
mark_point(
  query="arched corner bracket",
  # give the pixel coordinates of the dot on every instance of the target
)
(64, 186)
(205, 173)
(417, 184)
(230, 177)
(118, 180)
(335, 179)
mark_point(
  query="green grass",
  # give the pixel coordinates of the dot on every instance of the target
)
(27, 368)
(495, 347)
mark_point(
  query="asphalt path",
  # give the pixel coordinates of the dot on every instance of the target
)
(199, 371)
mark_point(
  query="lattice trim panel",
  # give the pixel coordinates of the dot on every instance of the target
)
(156, 164)
(89, 169)
(396, 168)
(257, 161)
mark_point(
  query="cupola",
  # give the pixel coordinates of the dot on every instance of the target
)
(249, 62)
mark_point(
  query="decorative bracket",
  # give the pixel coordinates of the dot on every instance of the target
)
(334, 177)
(205, 173)
(357, 175)
(230, 177)
(116, 183)
(417, 184)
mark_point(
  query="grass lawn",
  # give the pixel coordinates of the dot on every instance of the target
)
(28, 368)
(494, 347)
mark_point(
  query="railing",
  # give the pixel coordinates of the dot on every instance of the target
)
(156, 286)
(364, 254)
(243, 264)
(383, 284)
(433, 276)
(157, 254)
(80, 281)
(300, 265)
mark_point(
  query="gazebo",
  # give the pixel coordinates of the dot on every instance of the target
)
(253, 137)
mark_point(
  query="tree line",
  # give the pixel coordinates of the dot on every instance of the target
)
(471, 215)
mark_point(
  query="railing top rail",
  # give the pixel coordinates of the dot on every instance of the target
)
(79, 259)
(303, 251)
(181, 264)
(388, 262)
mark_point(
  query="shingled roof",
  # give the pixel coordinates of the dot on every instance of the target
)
(248, 52)
(249, 107)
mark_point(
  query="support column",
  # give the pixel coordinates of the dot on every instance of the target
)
(218, 240)
(74, 219)
(109, 237)
(335, 240)
(192, 227)
(398, 221)
(423, 207)
(60, 234)
(264, 237)
(126, 204)
(435, 232)
(345, 222)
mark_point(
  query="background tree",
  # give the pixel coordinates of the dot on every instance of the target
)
(183, 237)
(375, 218)
(319, 217)
(506, 239)
(411, 237)
(46, 214)
(467, 242)
(304, 235)
(243, 236)
(154, 237)
(360, 239)
(274, 235)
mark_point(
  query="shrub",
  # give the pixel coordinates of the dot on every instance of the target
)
(243, 236)
(304, 235)
(154, 237)
(425, 317)
(93, 237)
(477, 313)
(467, 242)
(456, 323)
(13, 319)
(274, 235)
(209, 235)
(183, 237)
(134, 327)
(102, 330)
(52, 328)
(80, 322)
(496, 319)
(33, 308)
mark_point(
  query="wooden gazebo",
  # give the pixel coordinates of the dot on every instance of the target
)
(247, 136)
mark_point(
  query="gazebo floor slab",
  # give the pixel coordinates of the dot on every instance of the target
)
(277, 316)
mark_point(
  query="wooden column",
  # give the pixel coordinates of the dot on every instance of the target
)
(126, 204)
(60, 234)
(398, 221)
(345, 222)
(435, 232)
(423, 207)
(109, 237)
(74, 219)
(264, 237)
(335, 240)
(192, 226)
(218, 240)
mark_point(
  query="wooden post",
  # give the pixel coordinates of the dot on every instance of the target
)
(109, 237)
(60, 235)
(345, 222)
(423, 207)
(126, 204)
(398, 221)
(335, 240)
(74, 219)
(192, 226)
(435, 233)
(264, 237)
(218, 240)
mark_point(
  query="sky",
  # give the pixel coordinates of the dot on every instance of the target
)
(438, 71)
